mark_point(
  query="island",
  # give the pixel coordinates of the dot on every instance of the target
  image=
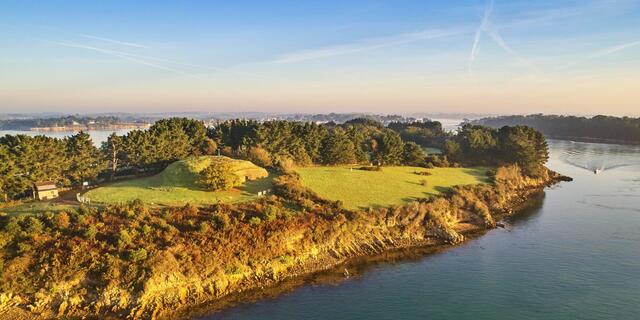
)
(159, 221)
(600, 128)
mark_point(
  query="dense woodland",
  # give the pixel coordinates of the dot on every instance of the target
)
(25, 160)
(602, 128)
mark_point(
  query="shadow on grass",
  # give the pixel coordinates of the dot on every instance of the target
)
(255, 186)
(480, 174)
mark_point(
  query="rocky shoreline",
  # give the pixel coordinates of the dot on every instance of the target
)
(332, 271)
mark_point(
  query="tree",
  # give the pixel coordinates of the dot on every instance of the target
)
(389, 148)
(426, 133)
(138, 149)
(30, 160)
(338, 149)
(526, 147)
(452, 150)
(236, 134)
(113, 149)
(6, 172)
(284, 163)
(218, 176)
(413, 154)
(477, 145)
(86, 161)
(208, 147)
(259, 156)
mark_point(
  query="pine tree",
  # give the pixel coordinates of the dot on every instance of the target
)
(113, 150)
(338, 148)
(86, 161)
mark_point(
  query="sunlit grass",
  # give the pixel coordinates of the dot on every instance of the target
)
(391, 186)
(176, 185)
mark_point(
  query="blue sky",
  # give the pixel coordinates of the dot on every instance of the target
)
(580, 57)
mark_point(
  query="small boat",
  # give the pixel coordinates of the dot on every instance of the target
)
(596, 171)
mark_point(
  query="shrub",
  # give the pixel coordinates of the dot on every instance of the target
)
(61, 220)
(34, 226)
(371, 168)
(208, 146)
(424, 182)
(189, 210)
(24, 247)
(284, 163)
(270, 213)
(146, 229)
(138, 255)
(259, 156)
(221, 220)
(124, 238)
(422, 173)
(218, 176)
(254, 221)
(91, 232)
(204, 227)
(13, 226)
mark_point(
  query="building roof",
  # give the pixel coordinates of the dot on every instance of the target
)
(45, 185)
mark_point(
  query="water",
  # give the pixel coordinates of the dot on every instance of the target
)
(98, 136)
(574, 255)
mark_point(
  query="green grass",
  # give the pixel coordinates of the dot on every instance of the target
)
(391, 186)
(176, 185)
(34, 207)
(431, 150)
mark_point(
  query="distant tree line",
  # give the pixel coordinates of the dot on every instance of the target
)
(25, 160)
(22, 124)
(603, 128)
(344, 117)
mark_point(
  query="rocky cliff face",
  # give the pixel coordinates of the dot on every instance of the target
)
(190, 270)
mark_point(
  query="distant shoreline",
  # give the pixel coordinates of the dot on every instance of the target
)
(592, 140)
(89, 127)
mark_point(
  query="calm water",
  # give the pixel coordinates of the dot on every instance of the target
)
(574, 255)
(98, 136)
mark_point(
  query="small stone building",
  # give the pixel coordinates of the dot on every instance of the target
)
(45, 190)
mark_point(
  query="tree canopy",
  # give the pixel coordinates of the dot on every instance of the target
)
(25, 160)
(218, 176)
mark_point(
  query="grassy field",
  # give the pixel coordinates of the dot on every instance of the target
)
(393, 185)
(176, 185)
(36, 207)
(430, 150)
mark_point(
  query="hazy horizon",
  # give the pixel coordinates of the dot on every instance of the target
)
(381, 57)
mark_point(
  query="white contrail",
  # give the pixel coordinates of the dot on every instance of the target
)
(365, 45)
(602, 53)
(497, 38)
(125, 56)
(168, 61)
(476, 39)
(124, 43)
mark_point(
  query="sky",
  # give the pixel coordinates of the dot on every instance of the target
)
(502, 57)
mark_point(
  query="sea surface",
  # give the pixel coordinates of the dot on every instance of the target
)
(573, 254)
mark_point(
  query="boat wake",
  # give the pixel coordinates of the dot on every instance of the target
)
(595, 157)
